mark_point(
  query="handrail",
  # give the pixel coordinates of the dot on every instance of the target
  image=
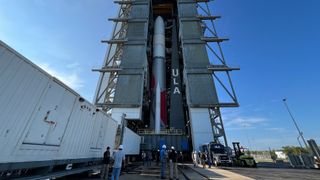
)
(162, 132)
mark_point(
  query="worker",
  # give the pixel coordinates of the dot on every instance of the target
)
(203, 159)
(163, 161)
(143, 156)
(106, 163)
(118, 157)
(180, 157)
(149, 158)
(195, 158)
(208, 159)
(158, 157)
(199, 157)
(173, 163)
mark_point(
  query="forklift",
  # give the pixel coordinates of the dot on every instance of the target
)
(240, 159)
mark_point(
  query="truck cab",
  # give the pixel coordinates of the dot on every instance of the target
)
(217, 154)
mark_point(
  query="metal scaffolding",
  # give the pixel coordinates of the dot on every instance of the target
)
(109, 72)
(204, 76)
(218, 65)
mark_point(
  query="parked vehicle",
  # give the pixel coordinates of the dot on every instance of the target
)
(217, 154)
(242, 159)
(220, 155)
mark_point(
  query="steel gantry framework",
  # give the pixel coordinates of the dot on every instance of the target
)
(109, 72)
(124, 83)
(218, 66)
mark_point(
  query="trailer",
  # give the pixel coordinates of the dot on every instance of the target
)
(46, 127)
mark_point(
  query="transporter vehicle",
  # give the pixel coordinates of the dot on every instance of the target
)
(218, 154)
(47, 129)
(240, 158)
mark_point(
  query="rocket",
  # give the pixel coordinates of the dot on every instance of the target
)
(159, 76)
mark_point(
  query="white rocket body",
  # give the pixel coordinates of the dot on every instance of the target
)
(159, 75)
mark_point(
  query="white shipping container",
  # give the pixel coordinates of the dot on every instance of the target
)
(131, 142)
(42, 119)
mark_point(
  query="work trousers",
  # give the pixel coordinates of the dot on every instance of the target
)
(195, 163)
(163, 169)
(148, 162)
(203, 161)
(173, 169)
(105, 171)
(115, 173)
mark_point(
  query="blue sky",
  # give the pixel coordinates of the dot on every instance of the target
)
(276, 44)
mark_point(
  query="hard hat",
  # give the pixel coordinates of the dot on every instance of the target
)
(164, 146)
(121, 147)
(172, 147)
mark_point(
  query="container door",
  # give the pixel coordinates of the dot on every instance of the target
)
(50, 121)
(60, 116)
(99, 130)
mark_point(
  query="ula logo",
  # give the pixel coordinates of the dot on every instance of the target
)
(175, 74)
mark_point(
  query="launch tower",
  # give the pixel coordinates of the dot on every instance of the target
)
(165, 74)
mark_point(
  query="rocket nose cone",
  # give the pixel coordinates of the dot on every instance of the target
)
(159, 25)
(159, 19)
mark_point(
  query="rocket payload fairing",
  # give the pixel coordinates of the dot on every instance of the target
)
(159, 76)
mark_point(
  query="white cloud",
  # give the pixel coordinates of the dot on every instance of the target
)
(276, 129)
(239, 128)
(274, 143)
(244, 118)
(70, 78)
(74, 65)
(246, 122)
(276, 100)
